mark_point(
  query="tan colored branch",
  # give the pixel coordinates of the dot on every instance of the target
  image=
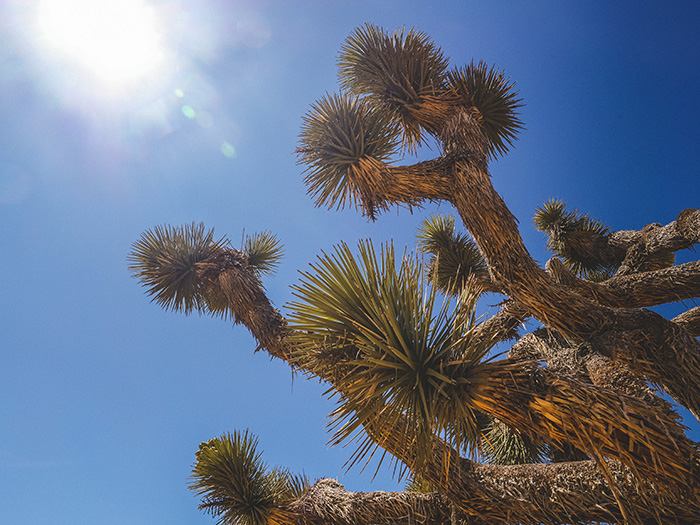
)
(637, 290)
(327, 501)
(655, 239)
(503, 325)
(690, 321)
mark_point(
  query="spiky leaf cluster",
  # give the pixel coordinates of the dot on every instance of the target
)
(343, 141)
(405, 351)
(573, 237)
(165, 260)
(501, 445)
(493, 99)
(398, 71)
(236, 485)
(455, 259)
(264, 253)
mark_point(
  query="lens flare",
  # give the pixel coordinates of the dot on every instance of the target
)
(117, 42)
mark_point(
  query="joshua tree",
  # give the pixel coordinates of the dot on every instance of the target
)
(564, 429)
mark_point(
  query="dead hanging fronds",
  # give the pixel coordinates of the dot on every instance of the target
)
(603, 423)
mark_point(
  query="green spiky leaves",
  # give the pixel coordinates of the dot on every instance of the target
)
(583, 244)
(344, 142)
(264, 253)
(493, 98)
(180, 266)
(574, 237)
(235, 483)
(166, 259)
(456, 261)
(398, 71)
(400, 352)
(396, 90)
(501, 445)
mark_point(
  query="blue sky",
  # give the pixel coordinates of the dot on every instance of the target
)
(104, 397)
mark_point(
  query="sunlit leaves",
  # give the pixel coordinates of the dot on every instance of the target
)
(501, 445)
(406, 352)
(165, 260)
(236, 485)
(264, 253)
(493, 98)
(455, 258)
(343, 141)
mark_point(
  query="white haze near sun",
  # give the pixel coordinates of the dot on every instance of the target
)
(115, 45)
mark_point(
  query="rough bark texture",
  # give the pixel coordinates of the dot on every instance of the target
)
(600, 346)
(578, 492)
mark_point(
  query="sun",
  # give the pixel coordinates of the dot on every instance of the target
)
(118, 42)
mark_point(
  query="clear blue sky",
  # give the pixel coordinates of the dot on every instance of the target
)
(104, 397)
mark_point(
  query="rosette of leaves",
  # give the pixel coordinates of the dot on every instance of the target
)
(168, 262)
(179, 266)
(237, 486)
(492, 98)
(576, 238)
(455, 260)
(346, 144)
(264, 252)
(582, 243)
(401, 73)
(400, 351)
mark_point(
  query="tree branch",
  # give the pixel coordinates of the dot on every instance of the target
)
(327, 501)
(527, 494)
(655, 239)
(690, 321)
(637, 290)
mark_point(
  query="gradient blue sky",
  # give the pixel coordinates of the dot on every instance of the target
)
(104, 397)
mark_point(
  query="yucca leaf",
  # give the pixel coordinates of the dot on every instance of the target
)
(502, 445)
(398, 71)
(264, 253)
(576, 238)
(236, 485)
(345, 144)
(494, 100)
(455, 259)
(165, 260)
(404, 349)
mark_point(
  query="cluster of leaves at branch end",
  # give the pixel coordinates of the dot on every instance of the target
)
(166, 259)
(575, 238)
(345, 143)
(236, 485)
(407, 354)
(264, 251)
(455, 260)
(493, 100)
(399, 72)
(180, 266)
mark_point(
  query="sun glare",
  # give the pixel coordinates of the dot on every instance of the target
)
(116, 41)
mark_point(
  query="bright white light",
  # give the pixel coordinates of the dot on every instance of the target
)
(117, 41)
